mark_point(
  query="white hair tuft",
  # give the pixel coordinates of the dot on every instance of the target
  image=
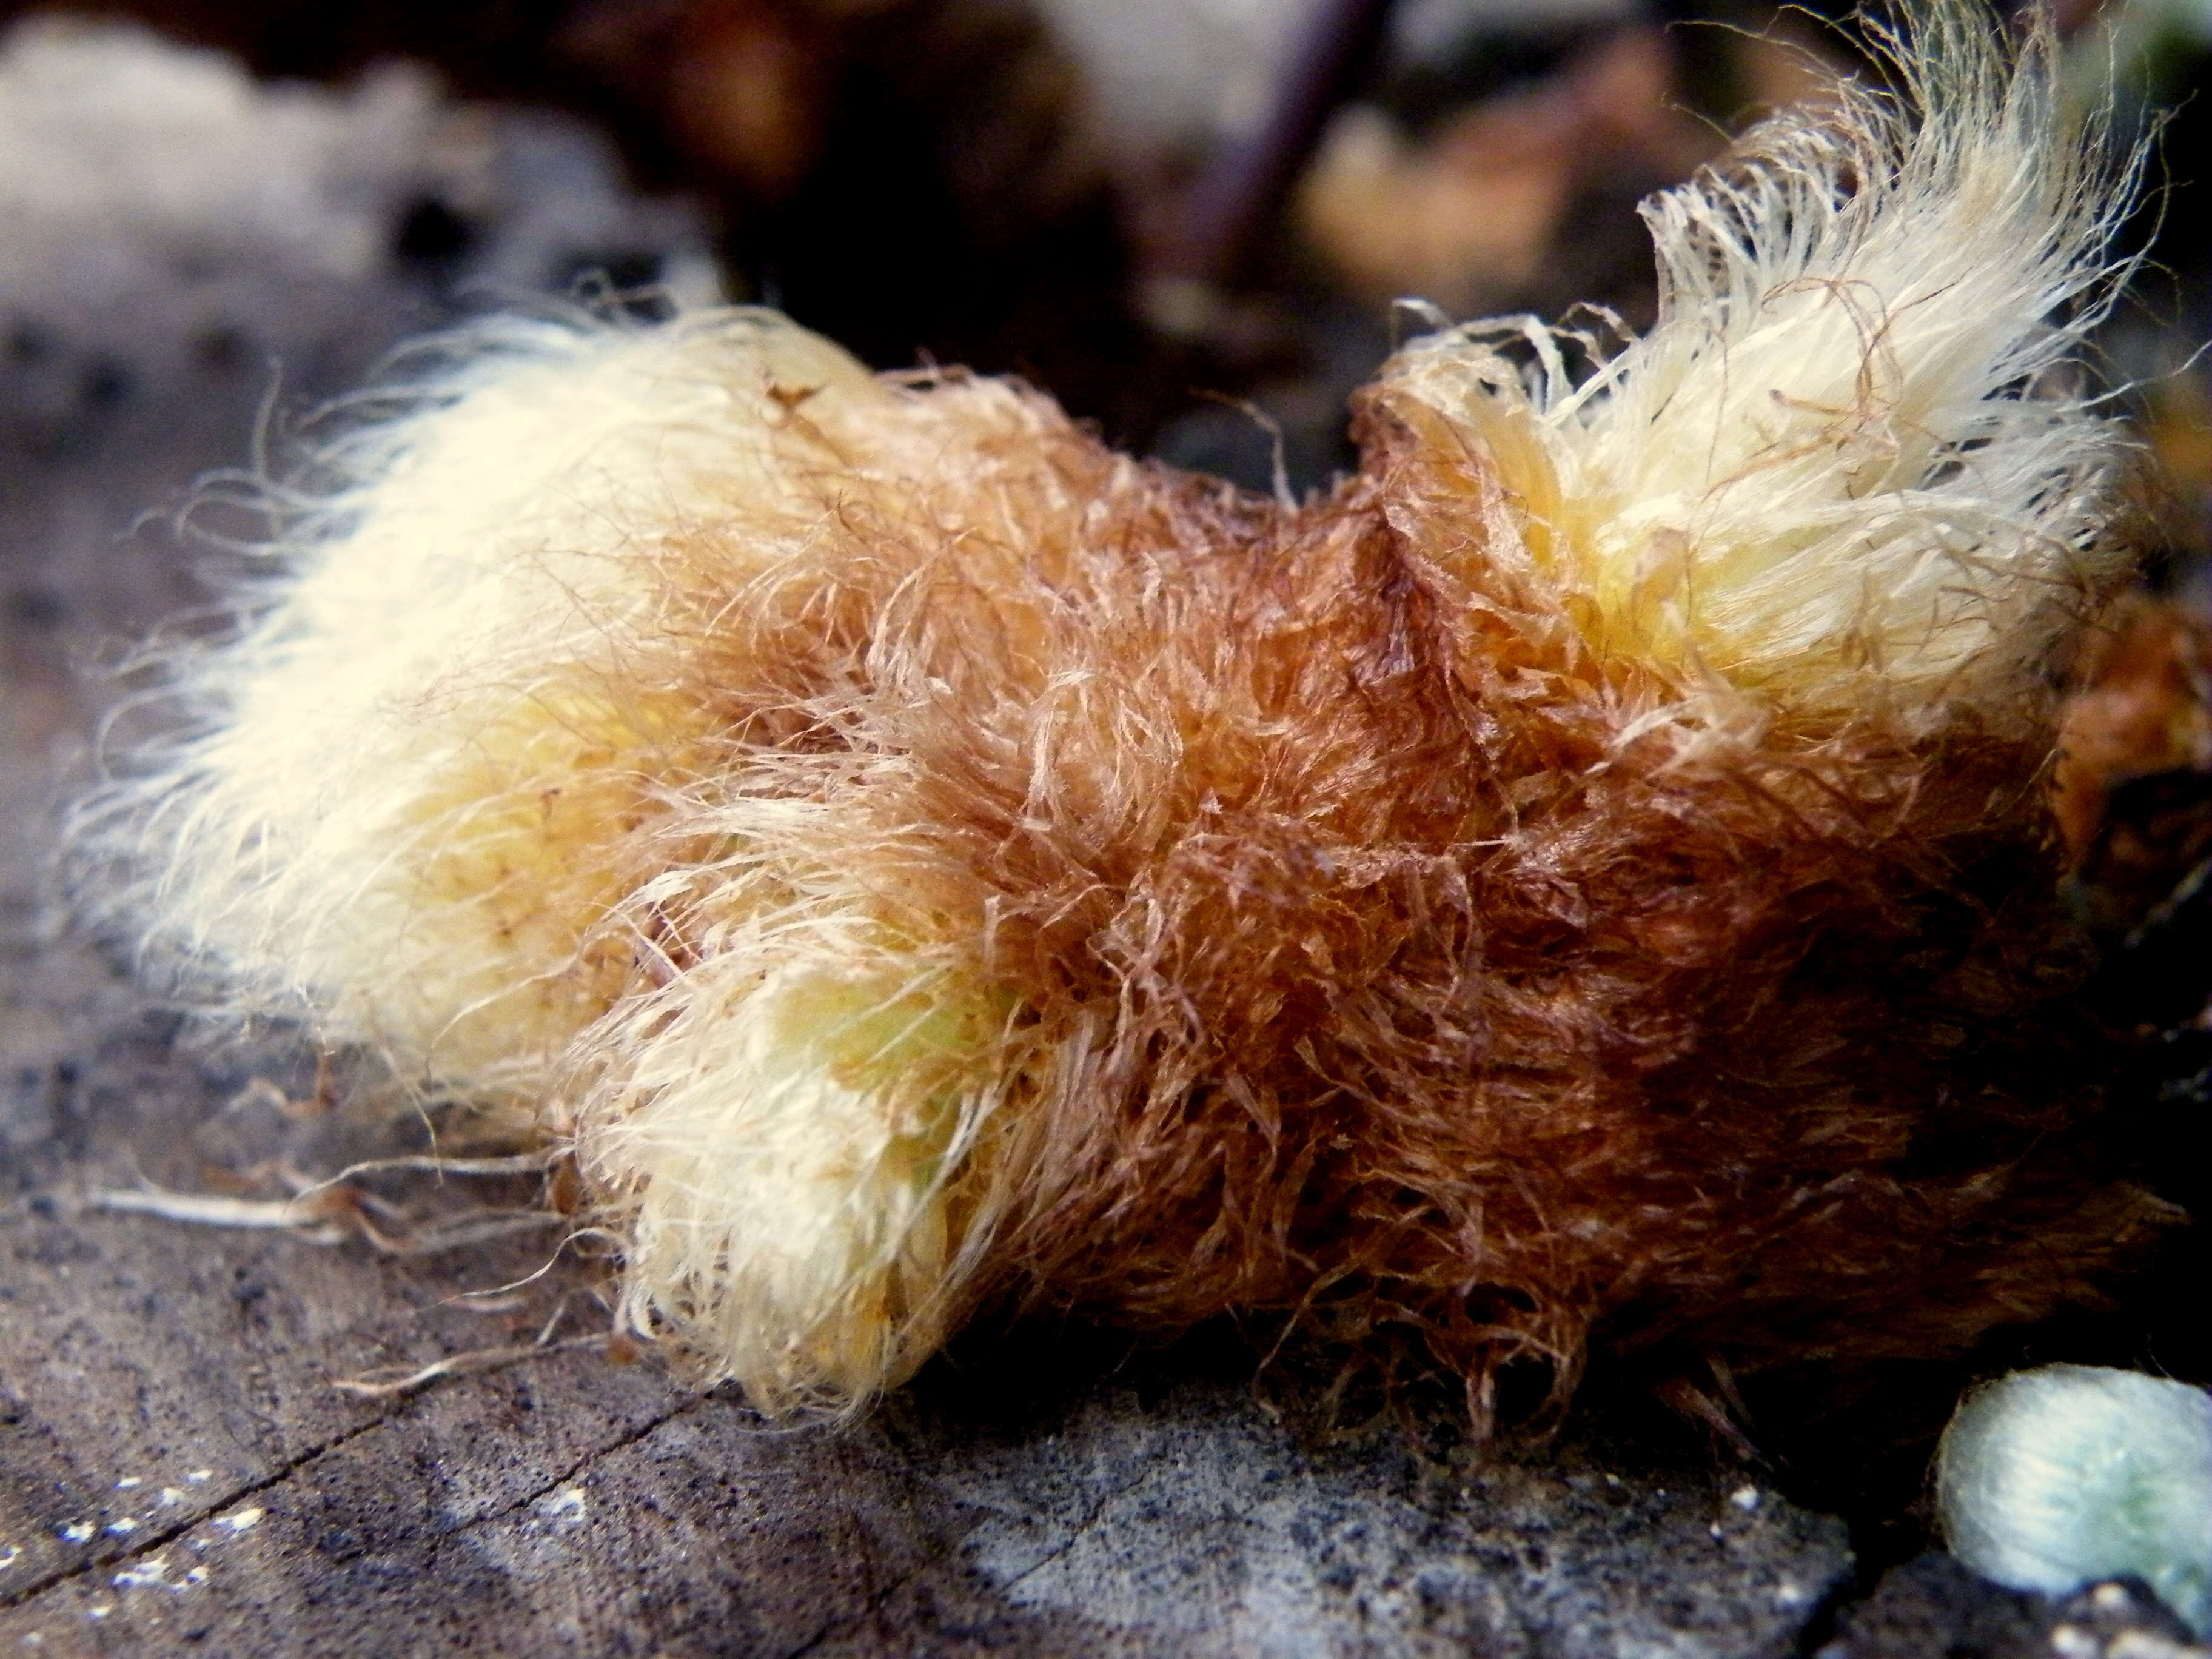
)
(1852, 460)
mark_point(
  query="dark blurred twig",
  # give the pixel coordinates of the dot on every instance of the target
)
(1234, 205)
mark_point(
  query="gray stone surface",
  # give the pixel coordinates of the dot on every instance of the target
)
(1933, 1606)
(1200, 1522)
(179, 1469)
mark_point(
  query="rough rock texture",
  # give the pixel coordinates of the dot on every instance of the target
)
(177, 1467)
(1934, 1606)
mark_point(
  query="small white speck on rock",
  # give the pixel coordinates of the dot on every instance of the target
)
(563, 1511)
(153, 1573)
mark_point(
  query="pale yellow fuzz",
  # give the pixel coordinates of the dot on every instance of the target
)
(434, 742)
(1844, 464)
(463, 798)
(791, 1122)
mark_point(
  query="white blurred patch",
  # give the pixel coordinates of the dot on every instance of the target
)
(108, 132)
(2049, 1478)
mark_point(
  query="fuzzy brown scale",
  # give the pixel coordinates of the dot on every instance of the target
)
(1371, 978)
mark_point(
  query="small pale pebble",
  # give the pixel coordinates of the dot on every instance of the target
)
(100, 1611)
(241, 1521)
(196, 1576)
(2072, 1641)
(10, 1555)
(152, 1573)
(200, 1474)
(1788, 1594)
(78, 1532)
(37, 1638)
(1716, 1530)
(127, 1482)
(564, 1509)
(171, 1498)
(1744, 1499)
(2142, 1645)
(123, 1528)
(2113, 1598)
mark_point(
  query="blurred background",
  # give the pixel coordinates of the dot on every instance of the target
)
(1192, 221)
(1189, 220)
